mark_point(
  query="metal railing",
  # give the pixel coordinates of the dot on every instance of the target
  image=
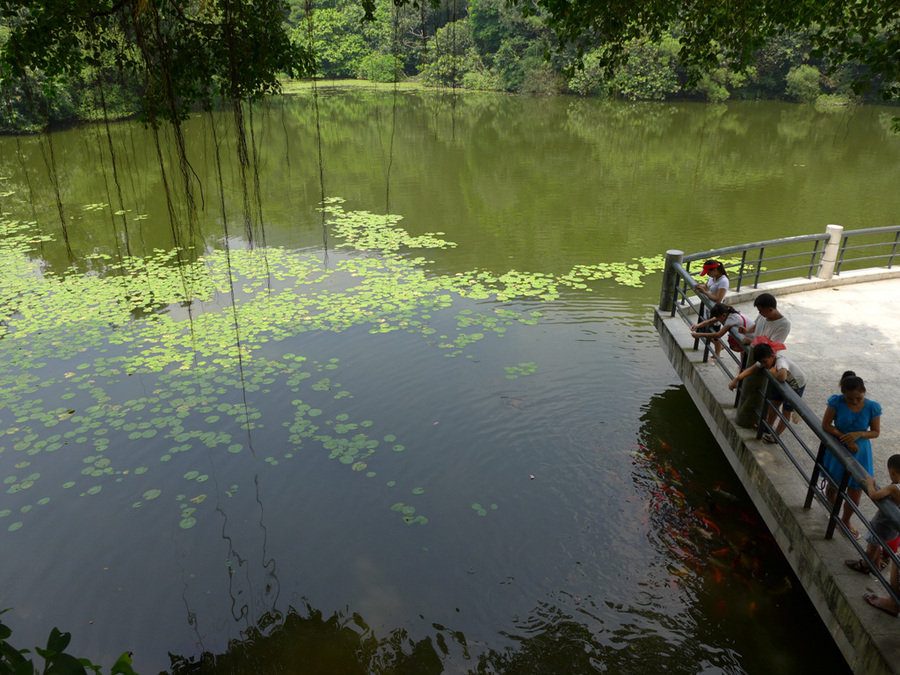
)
(829, 491)
(753, 263)
(877, 233)
(812, 255)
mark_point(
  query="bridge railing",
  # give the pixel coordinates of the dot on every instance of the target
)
(826, 254)
(749, 264)
(819, 256)
(860, 247)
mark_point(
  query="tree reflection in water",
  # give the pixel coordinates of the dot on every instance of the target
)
(308, 642)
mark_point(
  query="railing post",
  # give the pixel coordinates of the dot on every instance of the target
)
(741, 272)
(752, 398)
(759, 264)
(830, 252)
(820, 460)
(836, 507)
(893, 250)
(738, 389)
(761, 424)
(666, 296)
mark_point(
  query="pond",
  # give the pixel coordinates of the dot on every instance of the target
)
(400, 409)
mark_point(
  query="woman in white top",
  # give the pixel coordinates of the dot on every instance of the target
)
(717, 286)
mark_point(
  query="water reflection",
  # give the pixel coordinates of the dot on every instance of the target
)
(613, 179)
(712, 544)
(363, 433)
(307, 641)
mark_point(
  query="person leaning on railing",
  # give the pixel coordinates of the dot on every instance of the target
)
(881, 524)
(728, 317)
(771, 326)
(717, 286)
(770, 323)
(785, 371)
(854, 420)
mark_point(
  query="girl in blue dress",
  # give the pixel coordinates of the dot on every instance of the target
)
(854, 420)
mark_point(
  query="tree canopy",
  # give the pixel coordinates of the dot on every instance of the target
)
(178, 52)
(866, 31)
(59, 58)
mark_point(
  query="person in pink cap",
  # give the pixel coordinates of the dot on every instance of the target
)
(717, 286)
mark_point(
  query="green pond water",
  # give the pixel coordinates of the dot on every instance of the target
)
(424, 426)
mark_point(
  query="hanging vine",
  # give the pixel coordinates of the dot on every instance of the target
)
(180, 53)
(310, 35)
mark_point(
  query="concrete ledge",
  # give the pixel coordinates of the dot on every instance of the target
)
(869, 643)
(785, 286)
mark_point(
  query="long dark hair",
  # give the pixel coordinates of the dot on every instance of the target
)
(851, 382)
(717, 266)
(721, 308)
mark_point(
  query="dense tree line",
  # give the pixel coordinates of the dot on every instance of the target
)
(469, 44)
(494, 45)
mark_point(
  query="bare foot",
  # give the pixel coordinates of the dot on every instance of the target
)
(884, 604)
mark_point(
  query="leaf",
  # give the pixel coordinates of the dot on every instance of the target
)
(65, 664)
(122, 666)
(58, 641)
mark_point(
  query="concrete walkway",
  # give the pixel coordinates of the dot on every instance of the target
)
(850, 325)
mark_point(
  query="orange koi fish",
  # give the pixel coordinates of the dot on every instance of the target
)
(711, 524)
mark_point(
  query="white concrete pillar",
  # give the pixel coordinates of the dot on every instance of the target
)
(830, 253)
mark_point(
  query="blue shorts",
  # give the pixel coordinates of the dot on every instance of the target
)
(775, 395)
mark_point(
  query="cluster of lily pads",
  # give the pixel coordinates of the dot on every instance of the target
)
(200, 331)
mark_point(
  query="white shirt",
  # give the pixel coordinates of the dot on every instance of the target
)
(776, 331)
(713, 285)
(736, 319)
(796, 378)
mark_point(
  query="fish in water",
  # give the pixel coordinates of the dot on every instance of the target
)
(719, 492)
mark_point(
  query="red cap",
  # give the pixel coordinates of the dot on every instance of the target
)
(764, 339)
(707, 267)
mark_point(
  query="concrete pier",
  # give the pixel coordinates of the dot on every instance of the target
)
(845, 323)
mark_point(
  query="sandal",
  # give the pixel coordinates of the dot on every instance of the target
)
(768, 438)
(870, 598)
(858, 566)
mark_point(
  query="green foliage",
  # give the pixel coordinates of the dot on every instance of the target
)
(587, 78)
(381, 68)
(31, 100)
(183, 52)
(716, 85)
(453, 56)
(57, 661)
(708, 30)
(804, 83)
(540, 78)
(337, 42)
(66, 60)
(649, 72)
(478, 76)
(833, 100)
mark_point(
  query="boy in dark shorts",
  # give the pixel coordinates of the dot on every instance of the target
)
(880, 524)
(785, 371)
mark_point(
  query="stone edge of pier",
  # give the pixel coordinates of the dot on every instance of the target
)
(869, 641)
